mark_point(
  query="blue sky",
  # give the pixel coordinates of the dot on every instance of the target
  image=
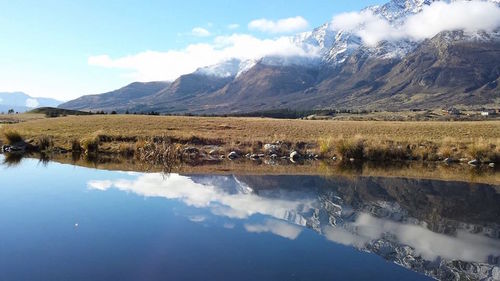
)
(46, 45)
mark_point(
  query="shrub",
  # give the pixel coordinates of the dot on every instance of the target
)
(52, 114)
(386, 151)
(75, 146)
(45, 142)
(256, 147)
(325, 146)
(12, 137)
(350, 148)
(90, 144)
(479, 151)
(165, 154)
(126, 149)
(483, 151)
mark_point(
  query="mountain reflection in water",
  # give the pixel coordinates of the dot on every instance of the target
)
(447, 230)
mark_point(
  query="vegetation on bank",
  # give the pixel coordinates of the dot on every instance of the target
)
(157, 139)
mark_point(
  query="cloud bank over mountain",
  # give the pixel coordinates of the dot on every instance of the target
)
(153, 65)
(470, 16)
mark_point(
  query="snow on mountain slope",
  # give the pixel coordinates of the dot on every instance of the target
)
(397, 11)
(335, 45)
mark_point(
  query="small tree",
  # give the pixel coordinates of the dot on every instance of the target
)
(113, 112)
(11, 111)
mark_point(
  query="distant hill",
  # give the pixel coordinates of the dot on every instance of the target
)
(57, 111)
(22, 102)
(122, 98)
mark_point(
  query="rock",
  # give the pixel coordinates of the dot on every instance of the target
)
(274, 156)
(261, 155)
(352, 159)
(294, 155)
(254, 156)
(334, 158)
(491, 165)
(272, 148)
(248, 155)
(474, 162)
(233, 155)
(213, 152)
(449, 160)
(463, 160)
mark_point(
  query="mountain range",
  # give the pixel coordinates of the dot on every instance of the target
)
(21, 102)
(453, 68)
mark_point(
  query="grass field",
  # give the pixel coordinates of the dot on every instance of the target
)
(327, 138)
(16, 118)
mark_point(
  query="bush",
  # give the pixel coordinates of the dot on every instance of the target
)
(325, 146)
(90, 144)
(75, 146)
(52, 114)
(126, 149)
(12, 137)
(45, 142)
(165, 154)
(351, 148)
(386, 152)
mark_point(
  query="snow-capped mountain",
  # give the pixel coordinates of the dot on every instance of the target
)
(229, 68)
(341, 65)
(335, 45)
(397, 11)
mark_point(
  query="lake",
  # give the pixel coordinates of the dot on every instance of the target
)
(65, 222)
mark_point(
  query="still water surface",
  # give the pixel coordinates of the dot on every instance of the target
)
(63, 222)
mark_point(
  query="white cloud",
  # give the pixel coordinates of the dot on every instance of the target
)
(197, 219)
(277, 227)
(280, 26)
(470, 16)
(207, 195)
(229, 225)
(32, 102)
(233, 26)
(1, 100)
(99, 184)
(152, 65)
(200, 32)
(430, 245)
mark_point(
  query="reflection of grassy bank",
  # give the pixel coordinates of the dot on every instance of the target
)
(377, 141)
(407, 169)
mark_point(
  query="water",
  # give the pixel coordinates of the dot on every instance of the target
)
(63, 222)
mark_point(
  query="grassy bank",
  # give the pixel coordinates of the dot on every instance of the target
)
(370, 140)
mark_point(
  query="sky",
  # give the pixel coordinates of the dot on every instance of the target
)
(66, 49)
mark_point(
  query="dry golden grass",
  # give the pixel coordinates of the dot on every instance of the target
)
(250, 129)
(426, 140)
(16, 118)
